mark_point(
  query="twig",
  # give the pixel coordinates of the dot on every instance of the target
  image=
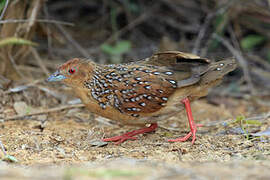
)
(3, 148)
(181, 11)
(34, 14)
(168, 128)
(39, 61)
(58, 95)
(3, 83)
(4, 10)
(37, 20)
(262, 102)
(45, 111)
(131, 25)
(51, 64)
(202, 32)
(258, 59)
(234, 39)
(221, 9)
(14, 64)
(23, 87)
(103, 120)
(260, 118)
(241, 60)
(73, 42)
(49, 32)
(28, 68)
(191, 28)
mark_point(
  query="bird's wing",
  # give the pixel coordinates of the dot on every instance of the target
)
(187, 67)
(133, 89)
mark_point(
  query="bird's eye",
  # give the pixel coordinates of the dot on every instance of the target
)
(71, 71)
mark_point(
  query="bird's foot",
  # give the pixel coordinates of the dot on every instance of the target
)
(191, 133)
(129, 135)
(192, 125)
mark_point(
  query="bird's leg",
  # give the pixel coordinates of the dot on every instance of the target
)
(192, 125)
(129, 135)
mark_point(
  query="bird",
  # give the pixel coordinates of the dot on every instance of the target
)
(144, 92)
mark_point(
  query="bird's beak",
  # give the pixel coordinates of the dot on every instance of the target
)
(56, 76)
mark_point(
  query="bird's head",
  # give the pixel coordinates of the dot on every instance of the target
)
(73, 72)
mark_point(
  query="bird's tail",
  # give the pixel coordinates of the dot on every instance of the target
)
(218, 69)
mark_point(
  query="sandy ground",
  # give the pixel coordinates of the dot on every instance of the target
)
(59, 145)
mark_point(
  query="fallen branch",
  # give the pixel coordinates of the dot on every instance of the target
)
(46, 111)
(37, 20)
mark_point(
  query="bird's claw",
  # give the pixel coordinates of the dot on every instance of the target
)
(119, 139)
(191, 133)
(129, 135)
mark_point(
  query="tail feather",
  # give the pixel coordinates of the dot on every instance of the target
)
(218, 69)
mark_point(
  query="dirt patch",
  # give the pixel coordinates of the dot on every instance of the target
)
(65, 140)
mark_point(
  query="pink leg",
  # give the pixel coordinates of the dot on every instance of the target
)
(129, 135)
(192, 125)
